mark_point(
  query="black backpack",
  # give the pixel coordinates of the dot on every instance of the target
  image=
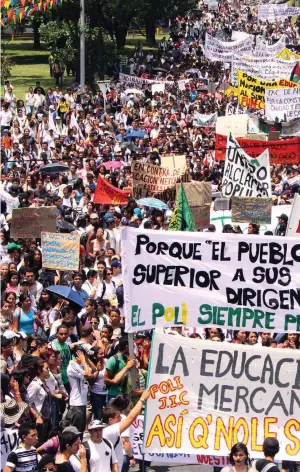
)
(88, 451)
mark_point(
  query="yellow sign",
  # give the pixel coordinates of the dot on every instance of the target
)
(287, 55)
(252, 89)
(231, 90)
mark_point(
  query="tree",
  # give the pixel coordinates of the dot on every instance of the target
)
(6, 64)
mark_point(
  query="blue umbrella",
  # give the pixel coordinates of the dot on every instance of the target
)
(67, 293)
(136, 134)
(153, 203)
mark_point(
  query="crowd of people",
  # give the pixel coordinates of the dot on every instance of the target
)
(67, 383)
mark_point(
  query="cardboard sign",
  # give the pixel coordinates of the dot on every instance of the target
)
(251, 210)
(206, 397)
(199, 197)
(60, 251)
(30, 222)
(109, 194)
(281, 152)
(222, 280)
(151, 180)
(243, 176)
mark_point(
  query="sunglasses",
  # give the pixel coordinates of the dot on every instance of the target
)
(44, 469)
(109, 273)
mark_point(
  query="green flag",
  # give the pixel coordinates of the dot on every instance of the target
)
(182, 218)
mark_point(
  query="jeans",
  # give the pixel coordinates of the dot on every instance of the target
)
(77, 416)
(126, 463)
(98, 402)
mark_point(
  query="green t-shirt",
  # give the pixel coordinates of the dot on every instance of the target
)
(65, 357)
(114, 368)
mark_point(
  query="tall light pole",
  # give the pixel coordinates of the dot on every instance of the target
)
(82, 45)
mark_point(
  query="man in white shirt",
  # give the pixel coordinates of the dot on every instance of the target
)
(116, 426)
(78, 372)
(100, 450)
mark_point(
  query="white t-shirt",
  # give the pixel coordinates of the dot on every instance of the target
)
(128, 433)
(100, 454)
(79, 385)
(112, 433)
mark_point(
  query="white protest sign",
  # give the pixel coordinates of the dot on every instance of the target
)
(271, 12)
(205, 120)
(156, 88)
(264, 68)
(169, 457)
(294, 220)
(282, 104)
(206, 397)
(236, 124)
(243, 176)
(263, 49)
(219, 280)
(217, 50)
(9, 440)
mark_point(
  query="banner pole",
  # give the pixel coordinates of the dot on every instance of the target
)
(133, 370)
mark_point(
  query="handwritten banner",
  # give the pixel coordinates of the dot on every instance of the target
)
(109, 194)
(150, 180)
(60, 251)
(217, 50)
(267, 69)
(208, 121)
(263, 49)
(169, 457)
(206, 397)
(223, 280)
(284, 152)
(30, 222)
(9, 440)
(251, 210)
(283, 104)
(243, 177)
(236, 124)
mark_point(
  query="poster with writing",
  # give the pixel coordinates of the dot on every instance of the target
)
(152, 180)
(283, 104)
(223, 280)
(265, 68)
(217, 50)
(205, 397)
(30, 222)
(60, 251)
(243, 176)
(9, 440)
(169, 457)
(251, 210)
(199, 197)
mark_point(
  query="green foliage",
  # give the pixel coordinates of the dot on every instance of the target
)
(56, 36)
(6, 64)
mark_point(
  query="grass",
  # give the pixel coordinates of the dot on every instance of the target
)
(31, 65)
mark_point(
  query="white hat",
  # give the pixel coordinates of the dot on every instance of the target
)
(95, 424)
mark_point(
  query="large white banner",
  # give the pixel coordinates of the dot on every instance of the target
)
(207, 279)
(217, 50)
(206, 397)
(276, 12)
(243, 176)
(294, 220)
(264, 68)
(282, 104)
(170, 458)
(263, 49)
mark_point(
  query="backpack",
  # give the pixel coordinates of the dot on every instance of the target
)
(88, 451)
(267, 467)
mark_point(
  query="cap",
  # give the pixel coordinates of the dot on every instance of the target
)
(115, 263)
(71, 429)
(24, 282)
(95, 424)
(283, 216)
(211, 228)
(13, 246)
(10, 334)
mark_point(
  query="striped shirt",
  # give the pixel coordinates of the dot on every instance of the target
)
(22, 460)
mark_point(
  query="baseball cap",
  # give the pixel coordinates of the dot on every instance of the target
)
(95, 424)
(10, 334)
(283, 216)
(115, 263)
(71, 429)
(13, 246)
(24, 282)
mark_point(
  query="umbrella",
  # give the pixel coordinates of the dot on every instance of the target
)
(153, 203)
(136, 134)
(113, 165)
(128, 91)
(67, 293)
(53, 168)
(159, 69)
(64, 226)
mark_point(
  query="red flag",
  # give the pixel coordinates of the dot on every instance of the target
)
(108, 194)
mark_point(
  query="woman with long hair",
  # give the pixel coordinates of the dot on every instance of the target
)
(239, 459)
(35, 260)
(39, 396)
(11, 299)
(12, 282)
(45, 306)
(24, 316)
(211, 333)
